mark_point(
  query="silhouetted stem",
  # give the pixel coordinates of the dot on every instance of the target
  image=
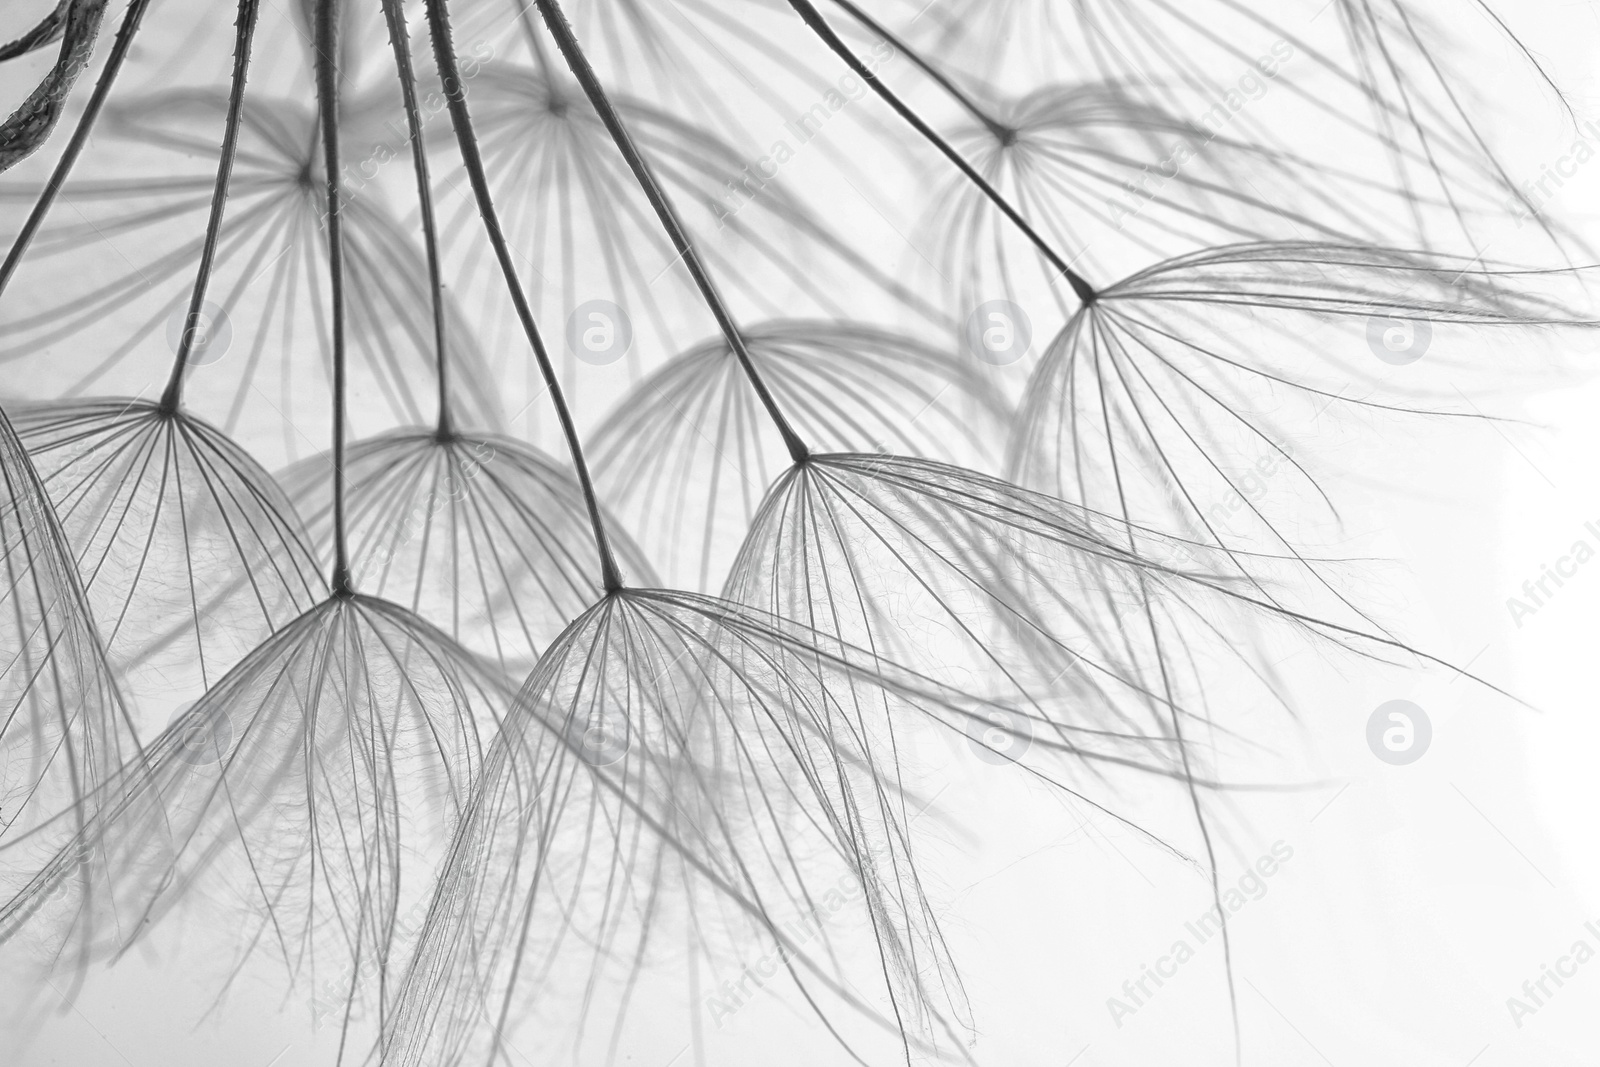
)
(80, 137)
(572, 52)
(813, 18)
(472, 160)
(401, 41)
(245, 29)
(327, 44)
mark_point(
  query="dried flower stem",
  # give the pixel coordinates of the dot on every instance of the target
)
(80, 137)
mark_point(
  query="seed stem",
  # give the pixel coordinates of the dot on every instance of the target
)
(244, 28)
(327, 44)
(813, 18)
(556, 20)
(472, 161)
(400, 39)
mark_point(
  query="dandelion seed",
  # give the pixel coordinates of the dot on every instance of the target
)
(190, 552)
(305, 800)
(1137, 405)
(752, 782)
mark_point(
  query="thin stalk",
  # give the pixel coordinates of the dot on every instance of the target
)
(813, 18)
(327, 42)
(401, 41)
(80, 137)
(472, 161)
(245, 29)
(579, 63)
(1001, 131)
